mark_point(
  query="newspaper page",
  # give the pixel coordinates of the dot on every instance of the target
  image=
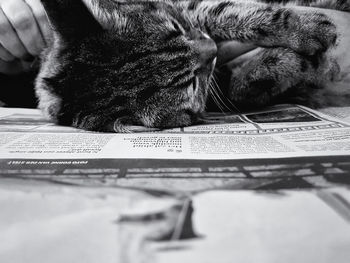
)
(265, 227)
(42, 222)
(338, 112)
(279, 132)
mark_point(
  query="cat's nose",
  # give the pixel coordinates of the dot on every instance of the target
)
(207, 52)
(206, 47)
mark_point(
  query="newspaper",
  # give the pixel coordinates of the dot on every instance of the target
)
(279, 151)
(278, 132)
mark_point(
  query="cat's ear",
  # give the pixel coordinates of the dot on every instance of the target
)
(71, 18)
(110, 14)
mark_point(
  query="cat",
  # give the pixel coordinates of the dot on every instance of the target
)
(115, 64)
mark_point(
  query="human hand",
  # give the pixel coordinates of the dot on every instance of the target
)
(230, 50)
(23, 30)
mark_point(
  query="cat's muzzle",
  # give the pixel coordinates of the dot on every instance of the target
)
(207, 54)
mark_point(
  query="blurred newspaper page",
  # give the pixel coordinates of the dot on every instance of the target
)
(277, 132)
(265, 227)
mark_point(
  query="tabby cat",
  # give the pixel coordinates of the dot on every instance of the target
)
(112, 64)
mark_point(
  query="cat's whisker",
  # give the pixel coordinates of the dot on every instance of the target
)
(218, 102)
(215, 99)
(215, 88)
(234, 107)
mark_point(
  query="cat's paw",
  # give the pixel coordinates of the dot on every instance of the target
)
(272, 72)
(254, 84)
(313, 34)
(342, 5)
(253, 89)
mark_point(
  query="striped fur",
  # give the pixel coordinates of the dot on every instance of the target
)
(116, 63)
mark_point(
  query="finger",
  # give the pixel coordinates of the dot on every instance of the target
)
(11, 68)
(5, 55)
(228, 50)
(22, 20)
(41, 18)
(9, 39)
(238, 61)
(27, 65)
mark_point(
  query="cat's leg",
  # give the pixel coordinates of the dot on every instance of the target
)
(265, 74)
(341, 5)
(264, 25)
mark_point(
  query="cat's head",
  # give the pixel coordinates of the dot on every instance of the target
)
(126, 63)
